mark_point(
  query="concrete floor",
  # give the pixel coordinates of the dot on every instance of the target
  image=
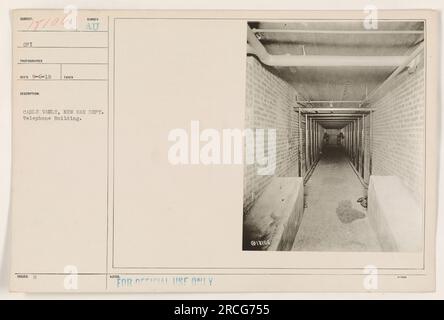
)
(333, 220)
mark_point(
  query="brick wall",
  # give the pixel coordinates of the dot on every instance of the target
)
(398, 132)
(270, 103)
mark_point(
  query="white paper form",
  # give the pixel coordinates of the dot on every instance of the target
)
(103, 101)
(60, 97)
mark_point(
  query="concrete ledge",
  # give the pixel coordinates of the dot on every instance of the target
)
(394, 214)
(274, 219)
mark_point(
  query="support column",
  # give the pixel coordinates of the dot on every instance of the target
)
(316, 139)
(349, 141)
(358, 144)
(352, 138)
(363, 147)
(310, 130)
(354, 142)
(313, 139)
(306, 144)
(370, 144)
(309, 142)
(299, 144)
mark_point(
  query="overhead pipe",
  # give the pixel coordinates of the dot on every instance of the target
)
(288, 60)
(258, 48)
(398, 70)
(375, 32)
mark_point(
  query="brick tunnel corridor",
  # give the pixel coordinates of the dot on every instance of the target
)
(333, 219)
(345, 129)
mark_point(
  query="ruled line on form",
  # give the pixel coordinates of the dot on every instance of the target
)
(59, 47)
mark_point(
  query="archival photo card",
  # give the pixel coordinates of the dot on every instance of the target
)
(224, 151)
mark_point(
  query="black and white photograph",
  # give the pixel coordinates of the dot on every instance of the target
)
(345, 100)
(241, 151)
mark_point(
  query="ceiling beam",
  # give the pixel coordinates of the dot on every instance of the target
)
(287, 60)
(360, 110)
(335, 119)
(329, 115)
(334, 116)
(373, 32)
(335, 61)
(328, 102)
